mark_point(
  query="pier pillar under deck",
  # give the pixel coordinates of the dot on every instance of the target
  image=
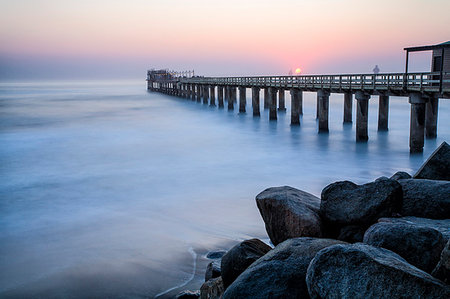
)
(362, 111)
(233, 94)
(417, 122)
(281, 100)
(230, 97)
(431, 116)
(205, 94)
(212, 95)
(266, 98)
(255, 101)
(273, 103)
(220, 96)
(317, 106)
(296, 96)
(199, 92)
(192, 92)
(348, 107)
(324, 104)
(242, 99)
(383, 112)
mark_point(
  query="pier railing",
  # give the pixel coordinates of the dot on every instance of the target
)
(395, 82)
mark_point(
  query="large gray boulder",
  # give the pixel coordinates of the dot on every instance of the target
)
(437, 166)
(281, 272)
(420, 246)
(212, 289)
(442, 225)
(213, 270)
(345, 203)
(289, 213)
(364, 271)
(426, 198)
(238, 258)
(442, 270)
(400, 175)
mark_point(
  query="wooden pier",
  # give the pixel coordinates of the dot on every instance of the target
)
(423, 89)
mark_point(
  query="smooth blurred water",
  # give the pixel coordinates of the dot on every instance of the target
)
(104, 187)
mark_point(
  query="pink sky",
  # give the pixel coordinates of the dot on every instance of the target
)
(230, 37)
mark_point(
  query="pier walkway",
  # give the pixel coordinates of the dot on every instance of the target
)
(423, 90)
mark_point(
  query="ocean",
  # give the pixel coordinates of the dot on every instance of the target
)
(108, 190)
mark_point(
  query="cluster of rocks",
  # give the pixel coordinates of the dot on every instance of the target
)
(384, 239)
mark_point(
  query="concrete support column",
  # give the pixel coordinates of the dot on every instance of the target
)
(233, 94)
(199, 92)
(242, 99)
(205, 94)
(348, 107)
(273, 103)
(362, 111)
(192, 92)
(266, 98)
(431, 116)
(296, 98)
(417, 123)
(317, 106)
(220, 96)
(212, 95)
(324, 103)
(255, 101)
(281, 100)
(383, 112)
(230, 97)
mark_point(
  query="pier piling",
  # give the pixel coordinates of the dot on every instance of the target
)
(362, 110)
(242, 99)
(323, 98)
(255, 101)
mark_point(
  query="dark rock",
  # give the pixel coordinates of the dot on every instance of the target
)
(188, 295)
(212, 289)
(437, 166)
(400, 175)
(345, 203)
(364, 271)
(238, 258)
(288, 213)
(213, 270)
(281, 272)
(351, 233)
(442, 270)
(442, 225)
(420, 246)
(215, 254)
(426, 198)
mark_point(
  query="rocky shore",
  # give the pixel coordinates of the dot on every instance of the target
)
(384, 239)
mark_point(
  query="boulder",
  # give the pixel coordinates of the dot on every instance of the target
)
(345, 203)
(212, 289)
(426, 198)
(213, 270)
(238, 258)
(281, 272)
(420, 246)
(442, 225)
(288, 213)
(442, 270)
(215, 254)
(351, 233)
(437, 166)
(400, 175)
(188, 295)
(363, 271)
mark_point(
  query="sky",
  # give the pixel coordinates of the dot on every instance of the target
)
(85, 39)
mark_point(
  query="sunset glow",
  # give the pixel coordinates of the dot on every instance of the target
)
(298, 71)
(213, 37)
